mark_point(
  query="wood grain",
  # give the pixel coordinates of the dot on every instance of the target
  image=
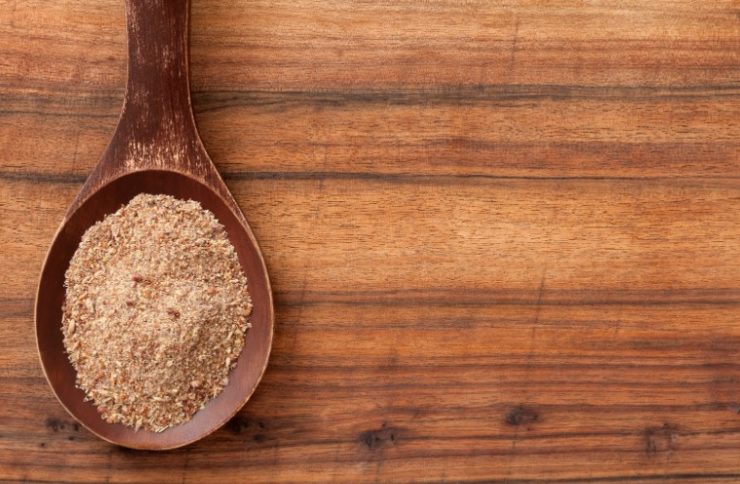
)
(503, 238)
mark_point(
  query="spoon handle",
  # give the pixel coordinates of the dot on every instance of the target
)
(157, 128)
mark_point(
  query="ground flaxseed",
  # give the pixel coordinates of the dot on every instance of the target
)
(156, 312)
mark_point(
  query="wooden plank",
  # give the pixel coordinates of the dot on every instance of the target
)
(290, 45)
(502, 235)
(506, 132)
(623, 236)
(573, 397)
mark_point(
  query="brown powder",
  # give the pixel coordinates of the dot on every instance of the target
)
(156, 312)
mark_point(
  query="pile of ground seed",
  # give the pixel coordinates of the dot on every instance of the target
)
(156, 312)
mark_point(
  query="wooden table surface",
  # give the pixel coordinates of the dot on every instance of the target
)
(503, 236)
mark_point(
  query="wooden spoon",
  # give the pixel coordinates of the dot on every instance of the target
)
(155, 149)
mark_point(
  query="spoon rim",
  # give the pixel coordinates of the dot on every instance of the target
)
(270, 317)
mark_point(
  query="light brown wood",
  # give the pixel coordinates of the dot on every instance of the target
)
(503, 238)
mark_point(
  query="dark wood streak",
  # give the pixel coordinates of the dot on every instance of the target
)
(514, 415)
(461, 95)
(421, 455)
(334, 367)
(502, 295)
(43, 178)
(617, 478)
(410, 178)
(391, 178)
(209, 100)
(460, 297)
(613, 478)
(387, 435)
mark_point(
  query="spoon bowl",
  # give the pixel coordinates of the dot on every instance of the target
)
(155, 149)
(60, 373)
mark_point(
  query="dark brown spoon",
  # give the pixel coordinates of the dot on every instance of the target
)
(155, 149)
